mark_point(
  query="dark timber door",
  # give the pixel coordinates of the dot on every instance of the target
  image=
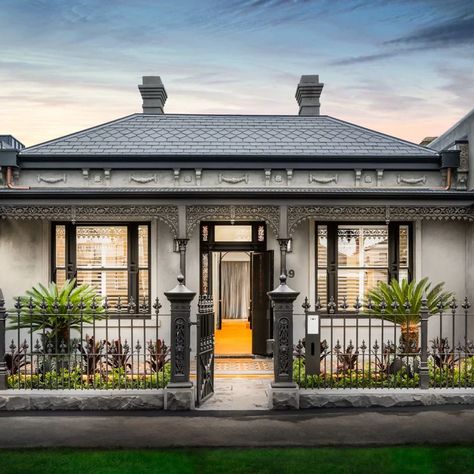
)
(261, 283)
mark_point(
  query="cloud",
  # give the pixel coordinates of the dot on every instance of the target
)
(364, 58)
(458, 87)
(453, 32)
(457, 31)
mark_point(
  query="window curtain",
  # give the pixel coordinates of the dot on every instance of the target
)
(235, 279)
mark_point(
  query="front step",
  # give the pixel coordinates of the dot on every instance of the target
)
(235, 356)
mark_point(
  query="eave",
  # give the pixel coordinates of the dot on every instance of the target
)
(230, 162)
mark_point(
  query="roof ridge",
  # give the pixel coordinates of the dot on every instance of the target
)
(385, 135)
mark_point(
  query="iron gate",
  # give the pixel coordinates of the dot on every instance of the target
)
(205, 350)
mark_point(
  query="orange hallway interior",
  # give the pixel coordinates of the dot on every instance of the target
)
(235, 338)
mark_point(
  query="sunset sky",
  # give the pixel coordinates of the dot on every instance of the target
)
(404, 67)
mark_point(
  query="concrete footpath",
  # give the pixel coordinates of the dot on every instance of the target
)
(323, 427)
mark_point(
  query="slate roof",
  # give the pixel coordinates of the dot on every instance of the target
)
(228, 135)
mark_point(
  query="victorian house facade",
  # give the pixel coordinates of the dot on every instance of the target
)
(232, 202)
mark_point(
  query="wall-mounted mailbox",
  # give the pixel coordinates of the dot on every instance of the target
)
(312, 344)
(313, 324)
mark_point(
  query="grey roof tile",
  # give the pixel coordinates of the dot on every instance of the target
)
(229, 135)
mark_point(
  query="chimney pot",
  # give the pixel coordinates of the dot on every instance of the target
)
(308, 93)
(153, 94)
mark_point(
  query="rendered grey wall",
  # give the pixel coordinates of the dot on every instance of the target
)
(444, 255)
(24, 256)
(447, 256)
(302, 263)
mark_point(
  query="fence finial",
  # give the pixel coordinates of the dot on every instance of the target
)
(424, 302)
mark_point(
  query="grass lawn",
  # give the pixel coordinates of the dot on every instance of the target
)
(275, 460)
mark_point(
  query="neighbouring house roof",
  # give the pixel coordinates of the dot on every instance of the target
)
(9, 142)
(155, 135)
(459, 131)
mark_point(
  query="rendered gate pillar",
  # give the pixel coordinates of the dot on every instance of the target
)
(179, 394)
(284, 393)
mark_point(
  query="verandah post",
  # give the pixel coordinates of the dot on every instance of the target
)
(182, 243)
(283, 251)
(179, 393)
(424, 369)
(3, 365)
(284, 391)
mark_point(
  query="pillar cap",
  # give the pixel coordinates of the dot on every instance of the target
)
(283, 290)
(180, 290)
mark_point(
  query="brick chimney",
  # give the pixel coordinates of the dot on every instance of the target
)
(153, 94)
(308, 93)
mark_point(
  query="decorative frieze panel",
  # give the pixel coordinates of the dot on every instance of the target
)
(196, 214)
(251, 180)
(233, 179)
(322, 179)
(152, 178)
(298, 214)
(412, 181)
(165, 213)
(52, 179)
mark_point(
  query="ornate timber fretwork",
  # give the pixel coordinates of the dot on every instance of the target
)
(269, 214)
(298, 214)
(165, 213)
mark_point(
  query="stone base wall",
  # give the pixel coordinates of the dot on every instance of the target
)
(51, 400)
(364, 398)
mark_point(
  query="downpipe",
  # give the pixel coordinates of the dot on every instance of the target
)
(9, 181)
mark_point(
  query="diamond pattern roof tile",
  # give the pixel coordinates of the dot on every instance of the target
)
(228, 135)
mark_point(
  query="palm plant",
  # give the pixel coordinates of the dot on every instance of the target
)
(400, 303)
(55, 311)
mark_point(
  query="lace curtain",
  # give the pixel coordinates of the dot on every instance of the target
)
(235, 279)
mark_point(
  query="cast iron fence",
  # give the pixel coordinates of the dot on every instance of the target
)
(353, 349)
(53, 345)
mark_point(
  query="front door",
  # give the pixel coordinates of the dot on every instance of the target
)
(221, 241)
(260, 309)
